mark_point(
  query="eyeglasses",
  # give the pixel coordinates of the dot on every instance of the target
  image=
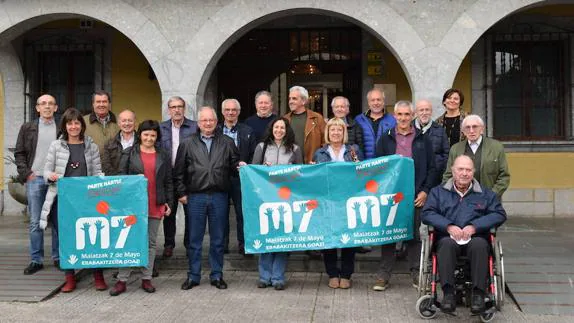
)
(473, 127)
(178, 107)
(206, 120)
(50, 104)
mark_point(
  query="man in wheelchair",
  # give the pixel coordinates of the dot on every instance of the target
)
(462, 213)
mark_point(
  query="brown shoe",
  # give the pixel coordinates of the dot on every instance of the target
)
(147, 286)
(119, 288)
(345, 283)
(334, 282)
(167, 252)
(381, 285)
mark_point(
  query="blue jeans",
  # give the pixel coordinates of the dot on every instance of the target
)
(204, 207)
(272, 267)
(36, 190)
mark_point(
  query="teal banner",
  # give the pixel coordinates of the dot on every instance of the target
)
(330, 205)
(102, 221)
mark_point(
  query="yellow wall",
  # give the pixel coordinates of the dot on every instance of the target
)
(463, 82)
(2, 127)
(131, 86)
(541, 170)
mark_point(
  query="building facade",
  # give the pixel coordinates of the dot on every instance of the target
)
(512, 59)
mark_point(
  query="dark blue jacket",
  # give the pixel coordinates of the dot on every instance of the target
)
(423, 157)
(440, 147)
(188, 128)
(246, 140)
(479, 207)
(369, 136)
(322, 155)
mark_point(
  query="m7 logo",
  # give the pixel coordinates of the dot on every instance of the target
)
(365, 207)
(97, 231)
(282, 212)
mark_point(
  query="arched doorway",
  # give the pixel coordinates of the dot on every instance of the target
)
(328, 55)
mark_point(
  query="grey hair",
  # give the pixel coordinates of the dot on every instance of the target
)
(230, 100)
(347, 103)
(375, 90)
(404, 103)
(176, 98)
(302, 91)
(471, 117)
(260, 93)
(207, 108)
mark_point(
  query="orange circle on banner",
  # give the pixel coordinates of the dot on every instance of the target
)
(284, 192)
(312, 204)
(130, 220)
(103, 207)
(372, 186)
(398, 197)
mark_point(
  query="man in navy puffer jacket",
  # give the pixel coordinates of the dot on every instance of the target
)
(375, 122)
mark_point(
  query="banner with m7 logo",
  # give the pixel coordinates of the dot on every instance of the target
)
(103, 221)
(325, 206)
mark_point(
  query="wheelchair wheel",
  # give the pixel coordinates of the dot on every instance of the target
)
(487, 317)
(500, 282)
(426, 308)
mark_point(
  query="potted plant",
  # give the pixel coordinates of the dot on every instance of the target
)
(16, 189)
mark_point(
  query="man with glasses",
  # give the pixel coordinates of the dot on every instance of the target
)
(487, 154)
(202, 175)
(244, 139)
(31, 150)
(173, 132)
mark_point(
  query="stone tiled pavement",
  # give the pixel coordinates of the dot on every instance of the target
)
(306, 299)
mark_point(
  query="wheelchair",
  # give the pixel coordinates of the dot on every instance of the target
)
(428, 305)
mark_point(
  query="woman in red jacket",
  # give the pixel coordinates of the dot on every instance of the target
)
(155, 164)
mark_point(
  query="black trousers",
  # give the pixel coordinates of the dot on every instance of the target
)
(347, 262)
(235, 194)
(169, 226)
(476, 250)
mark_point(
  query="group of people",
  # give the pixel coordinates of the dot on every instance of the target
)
(196, 164)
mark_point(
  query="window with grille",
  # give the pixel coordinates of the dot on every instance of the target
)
(528, 90)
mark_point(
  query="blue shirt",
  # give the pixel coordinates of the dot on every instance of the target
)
(207, 141)
(231, 133)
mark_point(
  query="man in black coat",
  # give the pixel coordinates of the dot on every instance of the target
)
(436, 134)
(407, 141)
(245, 141)
(340, 106)
(204, 165)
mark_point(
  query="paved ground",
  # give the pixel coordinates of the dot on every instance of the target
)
(537, 254)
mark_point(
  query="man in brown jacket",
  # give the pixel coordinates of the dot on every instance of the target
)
(101, 124)
(309, 126)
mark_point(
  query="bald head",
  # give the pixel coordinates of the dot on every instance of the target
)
(423, 110)
(46, 106)
(462, 171)
(127, 122)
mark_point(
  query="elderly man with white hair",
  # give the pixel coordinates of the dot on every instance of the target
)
(435, 132)
(487, 154)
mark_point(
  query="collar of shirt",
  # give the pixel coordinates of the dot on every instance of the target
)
(462, 194)
(47, 122)
(204, 137)
(126, 142)
(232, 128)
(104, 120)
(411, 131)
(475, 143)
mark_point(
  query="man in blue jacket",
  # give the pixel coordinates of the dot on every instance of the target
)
(245, 141)
(407, 141)
(462, 212)
(174, 131)
(374, 122)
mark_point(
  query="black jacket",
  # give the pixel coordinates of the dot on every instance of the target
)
(440, 146)
(355, 134)
(423, 157)
(245, 139)
(131, 164)
(25, 150)
(112, 155)
(197, 171)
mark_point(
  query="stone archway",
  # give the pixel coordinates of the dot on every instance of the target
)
(17, 18)
(215, 37)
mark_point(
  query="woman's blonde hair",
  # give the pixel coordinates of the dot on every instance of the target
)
(336, 122)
